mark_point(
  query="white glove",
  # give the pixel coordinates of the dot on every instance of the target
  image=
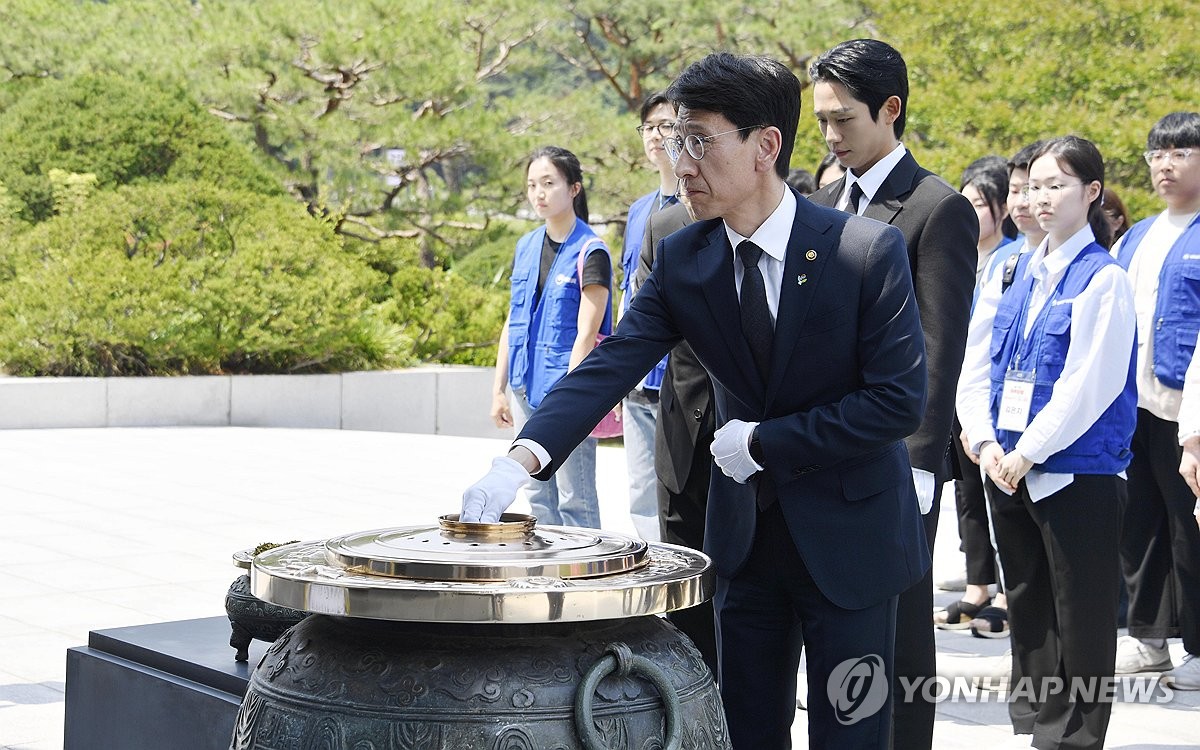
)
(484, 501)
(731, 450)
(924, 484)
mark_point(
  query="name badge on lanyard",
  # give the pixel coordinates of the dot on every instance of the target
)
(1015, 401)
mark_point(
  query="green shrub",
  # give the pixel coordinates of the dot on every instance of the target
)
(187, 278)
(446, 318)
(121, 131)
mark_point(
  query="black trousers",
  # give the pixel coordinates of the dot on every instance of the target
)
(681, 520)
(764, 614)
(1060, 565)
(973, 527)
(916, 652)
(1160, 542)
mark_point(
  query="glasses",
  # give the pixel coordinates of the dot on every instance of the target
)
(695, 143)
(664, 129)
(1030, 192)
(1174, 156)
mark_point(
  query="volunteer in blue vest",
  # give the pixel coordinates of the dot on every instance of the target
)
(1160, 544)
(1047, 397)
(640, 408)
(553, 318)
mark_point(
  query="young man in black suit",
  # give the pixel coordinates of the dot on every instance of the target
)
(806, 320)
(860, 99)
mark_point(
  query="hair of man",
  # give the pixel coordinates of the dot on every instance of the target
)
(749, 91)
(871, 70)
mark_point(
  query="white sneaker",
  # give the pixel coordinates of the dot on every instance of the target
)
(1134, 655)
(1187, 675)
(953, 584)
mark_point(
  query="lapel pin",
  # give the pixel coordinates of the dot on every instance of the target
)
(801, 279)
(811, 254)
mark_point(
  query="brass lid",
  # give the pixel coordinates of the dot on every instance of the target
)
(512, 571)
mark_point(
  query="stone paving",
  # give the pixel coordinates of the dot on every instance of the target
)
(105, 528)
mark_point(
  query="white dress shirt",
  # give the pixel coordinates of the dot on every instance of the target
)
(1094, 373)
(772, 236)
(870, 181)
(1189, 410)
(1154, 396)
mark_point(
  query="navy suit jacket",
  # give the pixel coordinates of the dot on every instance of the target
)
(847, 386)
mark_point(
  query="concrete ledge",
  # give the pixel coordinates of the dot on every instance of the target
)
(426, 400)
(53, 402)
(164, 402)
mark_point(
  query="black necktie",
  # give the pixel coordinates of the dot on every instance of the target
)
(757, 326)
(856, 193)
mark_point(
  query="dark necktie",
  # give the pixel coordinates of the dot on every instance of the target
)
(856, 193)
(757, 326)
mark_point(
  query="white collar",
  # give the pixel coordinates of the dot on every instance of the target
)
(1051, 266)
(773, 234)
(871, 180)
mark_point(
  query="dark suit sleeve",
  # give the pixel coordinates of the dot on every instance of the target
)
(888, 400)
(577, 402)
(944, 281)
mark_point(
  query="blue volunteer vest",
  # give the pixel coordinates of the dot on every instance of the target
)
(1177, 309)
(1104, 448)
(541, 332)
(635, 232)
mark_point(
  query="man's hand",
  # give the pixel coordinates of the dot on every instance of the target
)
(484, 501)
(731, 450)
(1189, 465)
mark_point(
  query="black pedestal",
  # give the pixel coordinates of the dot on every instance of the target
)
(168, 685)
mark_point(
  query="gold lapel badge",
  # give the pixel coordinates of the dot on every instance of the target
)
(811, 254)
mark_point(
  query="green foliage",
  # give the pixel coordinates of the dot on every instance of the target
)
(989, 82)
(187, 278)
(444, 317)
(121, 132)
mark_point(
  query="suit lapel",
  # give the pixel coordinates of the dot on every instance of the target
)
(714, 264)
(889, 199)
(809, 249)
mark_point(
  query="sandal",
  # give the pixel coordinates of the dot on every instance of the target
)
(958, 615)
(991, 622)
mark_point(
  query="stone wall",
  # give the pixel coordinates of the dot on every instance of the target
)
(430, 400)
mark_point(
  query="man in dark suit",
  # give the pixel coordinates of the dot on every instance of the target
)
(860, 98)
(682, 436)
(806, 320)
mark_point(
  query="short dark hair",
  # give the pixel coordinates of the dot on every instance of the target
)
(1080, 157)
(1176, 130)
(652, 101)
(568, 166)
(871, 70)
(988, 175)
(802, 181)
(749, 91)
(1023, 158)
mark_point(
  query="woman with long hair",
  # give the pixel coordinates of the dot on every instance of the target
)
(561, 292)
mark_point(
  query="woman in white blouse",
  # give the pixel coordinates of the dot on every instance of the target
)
(1048, 400)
